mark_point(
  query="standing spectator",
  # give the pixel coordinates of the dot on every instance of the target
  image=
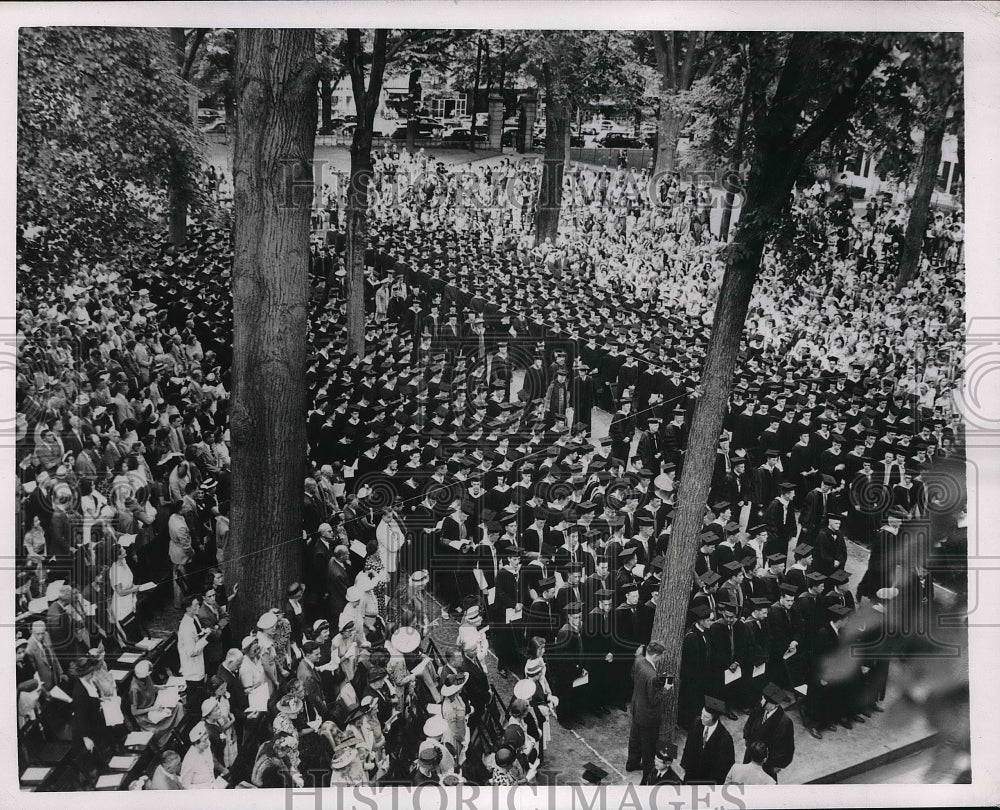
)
(648, 693)
(192, 639)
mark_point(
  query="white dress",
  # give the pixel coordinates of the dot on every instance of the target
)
(121, 606)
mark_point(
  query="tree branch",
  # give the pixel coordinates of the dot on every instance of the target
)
(690, 54)
(354, 50)
(377, 75)
(672, 60)
(840, 107)
(196, 40)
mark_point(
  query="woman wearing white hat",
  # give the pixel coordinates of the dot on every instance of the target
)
(371, 751)
(269, 658)
(472, 636)
(199, 767)
(220, 722)
(346, 768)
(439, 735)
(407, 666)
(148, 716)
(455, 711)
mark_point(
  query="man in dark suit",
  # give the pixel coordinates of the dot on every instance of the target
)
(647, 451)
(648, 693)
(621, 430)
(780, 521)
(310, 679)
(338, 580)
(815, 508)
(829, 546)
(709, 752)
(763, 486)
(229, 671)
(769, 724)
(566, 656)
(695, 666)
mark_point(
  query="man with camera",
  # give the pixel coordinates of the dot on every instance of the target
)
(648, 693)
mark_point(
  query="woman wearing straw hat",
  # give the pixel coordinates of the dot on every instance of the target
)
(534, 690)
(426, 768)
(346, 768)
(437, 733)
(142, 694)
(408, 669)
(455, 712)
(103, 679)
(221, 725)
(471, 636)
(273, 766)
(371, 750)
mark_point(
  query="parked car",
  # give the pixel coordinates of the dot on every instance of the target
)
(425, 129)
(217, 126)
(616, 141)
(206, 115)
(460, 135)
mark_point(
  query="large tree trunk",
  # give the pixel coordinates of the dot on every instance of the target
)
(366, 101)
(475, 96)
(357, 238)
(676, 75)
(759, 211)
(669, 132)
(733, 183)
(178, 192)
(777, 159)
(557, 114)
(276, 77)
(326, 103)
(913, 239)
(177, 195)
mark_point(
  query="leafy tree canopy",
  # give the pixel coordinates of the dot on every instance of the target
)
(103, 120)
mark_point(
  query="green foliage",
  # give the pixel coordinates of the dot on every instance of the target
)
(103, 122)
(215, 66)
(586, 64)
(921, 79)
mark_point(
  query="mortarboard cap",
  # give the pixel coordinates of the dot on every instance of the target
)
(668, 752)
(779, 697)
(714, 705)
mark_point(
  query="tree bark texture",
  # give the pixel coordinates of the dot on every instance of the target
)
(326, 104)
(920, 205)
(366, 98)
(276, 79)
(676, 75)
(733, 182)
(557, 115)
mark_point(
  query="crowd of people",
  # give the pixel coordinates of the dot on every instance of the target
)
(461, 473)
